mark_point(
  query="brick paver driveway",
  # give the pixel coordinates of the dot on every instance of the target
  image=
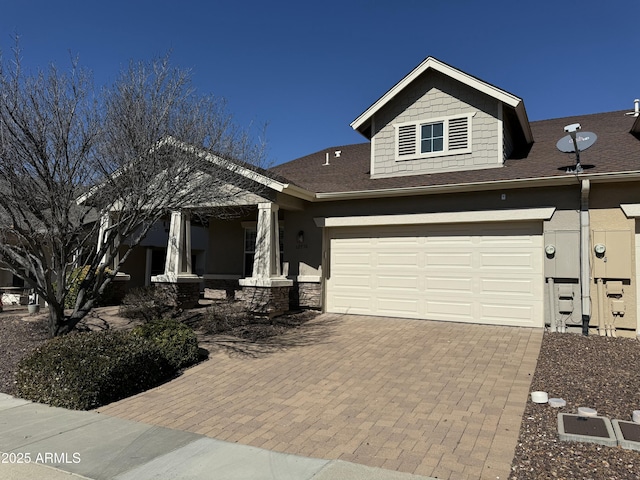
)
(431, 398)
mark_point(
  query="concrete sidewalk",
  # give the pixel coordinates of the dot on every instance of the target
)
(38, 441)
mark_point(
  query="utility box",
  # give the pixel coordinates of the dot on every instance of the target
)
(564, 261)
(611, 254)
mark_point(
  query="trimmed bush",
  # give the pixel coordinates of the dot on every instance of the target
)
(86, 370)
(146, 303)
(177, 341)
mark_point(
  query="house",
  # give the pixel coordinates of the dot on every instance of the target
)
(456, 208)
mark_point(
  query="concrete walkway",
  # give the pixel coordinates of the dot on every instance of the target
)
(428, 398)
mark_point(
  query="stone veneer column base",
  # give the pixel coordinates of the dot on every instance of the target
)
(184, 291)
(219, 287)
(306, 295)
(266, 301)
(267, 297)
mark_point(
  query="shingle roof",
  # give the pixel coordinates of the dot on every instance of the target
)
(616, 150)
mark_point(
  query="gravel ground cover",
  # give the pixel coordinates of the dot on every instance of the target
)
(593, 371)
(17, 339)
(597, 372)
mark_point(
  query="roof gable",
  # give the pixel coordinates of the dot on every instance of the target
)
(362, 123)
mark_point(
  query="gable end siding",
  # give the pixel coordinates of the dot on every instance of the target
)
(434, 95)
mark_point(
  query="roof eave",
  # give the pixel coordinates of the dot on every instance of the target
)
(478, 186)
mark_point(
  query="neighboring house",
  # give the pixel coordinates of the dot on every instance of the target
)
(458, 208)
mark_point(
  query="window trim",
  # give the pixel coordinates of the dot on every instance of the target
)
(418, 137)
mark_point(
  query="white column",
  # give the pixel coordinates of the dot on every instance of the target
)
(179, 245)
(178, 262)
(105, 223)
(266, 261)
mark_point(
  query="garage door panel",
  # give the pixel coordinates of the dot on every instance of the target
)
(352, 303)
(453, 310)
(509, 286)
(508, 261)
(453, 285)
(389, 306)
(353, 281)
(481, 273)
(398, 282)
(403, 241)
(398, 259)
(501, 314)
(353, 259)
(448, 259)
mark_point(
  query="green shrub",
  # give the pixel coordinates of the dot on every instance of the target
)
(177, 341)
(86, 370)
(146, 303)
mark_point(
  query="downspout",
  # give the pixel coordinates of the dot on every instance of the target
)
(585, 277)
(552, 304)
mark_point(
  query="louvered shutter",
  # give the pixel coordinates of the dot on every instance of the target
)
(407, 140)
(458, 133)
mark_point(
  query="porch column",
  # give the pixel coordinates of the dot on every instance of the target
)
(179, 246)
(177, 278)
(266, 263)
(266, 292)
(118, 287)
(105, 223)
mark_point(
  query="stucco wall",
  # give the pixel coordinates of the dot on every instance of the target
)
(135, 266)
(431, 96)
(225, 254)
(605, 215)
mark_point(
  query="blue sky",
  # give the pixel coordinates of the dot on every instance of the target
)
(308, 69)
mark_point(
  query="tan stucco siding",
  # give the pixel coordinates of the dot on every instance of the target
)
(432, 96)
(226, 247)
(605, 215)
(302, 258)
(135, 266)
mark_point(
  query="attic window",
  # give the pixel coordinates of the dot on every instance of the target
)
(442, 136)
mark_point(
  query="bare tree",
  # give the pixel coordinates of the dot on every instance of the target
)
(71, 155)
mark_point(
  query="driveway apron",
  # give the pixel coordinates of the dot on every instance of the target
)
(431, 398)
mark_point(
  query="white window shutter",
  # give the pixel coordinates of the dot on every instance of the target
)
(458, 133)
(407, 140)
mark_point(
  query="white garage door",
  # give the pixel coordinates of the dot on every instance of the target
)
(480, 273)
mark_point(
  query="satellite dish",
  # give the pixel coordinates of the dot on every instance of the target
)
(583, 139)
(576, 142)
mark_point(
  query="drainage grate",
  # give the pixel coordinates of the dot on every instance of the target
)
(628, 434)
(574, 428)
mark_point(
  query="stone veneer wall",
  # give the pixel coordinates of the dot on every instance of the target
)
(183, 295)
(228, 286)
(266, 301)
(306, 295)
